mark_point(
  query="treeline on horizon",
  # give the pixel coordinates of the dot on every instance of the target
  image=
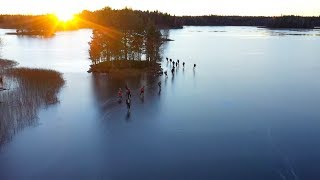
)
(34, 24)
(269, 22)
(112, 17)
(89, 19)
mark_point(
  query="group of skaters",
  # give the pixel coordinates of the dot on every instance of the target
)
(129, 94)
(176, 64)
(142, 89)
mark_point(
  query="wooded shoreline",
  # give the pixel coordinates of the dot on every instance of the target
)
(126, 67)
(108, 16)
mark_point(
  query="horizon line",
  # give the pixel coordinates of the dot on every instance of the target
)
(171, 14)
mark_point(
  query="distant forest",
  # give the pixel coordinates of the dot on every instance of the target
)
(112, 17)
(270, 22)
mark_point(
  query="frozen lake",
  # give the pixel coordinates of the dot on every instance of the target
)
(249, 110)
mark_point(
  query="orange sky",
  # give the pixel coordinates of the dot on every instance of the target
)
(178, 7)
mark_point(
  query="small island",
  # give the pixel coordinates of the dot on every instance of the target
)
(36, 25)
(127, 46)
(125, 67)
(30, 32)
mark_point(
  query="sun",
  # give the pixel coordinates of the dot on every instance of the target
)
(64, 16)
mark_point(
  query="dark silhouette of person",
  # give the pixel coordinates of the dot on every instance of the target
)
(183, 64)
(120, 93)
(159, 84)
(178, 61)
(170, 60)
(128, 102)
(128, 93)
(1, 82)
(142, 91)
(194, 66)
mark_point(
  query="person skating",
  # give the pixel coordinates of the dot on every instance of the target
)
(183, 64)
(1, 82)
(128, 93)
(120, 94)
(128, 102)
(142, 91)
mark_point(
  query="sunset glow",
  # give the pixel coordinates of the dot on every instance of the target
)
(64, 16)
(177, 7)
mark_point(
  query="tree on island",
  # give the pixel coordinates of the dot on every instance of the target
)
(124, 35)
(152, 43)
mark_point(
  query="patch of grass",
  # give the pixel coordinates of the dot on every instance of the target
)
(29, 91)
(6, 64)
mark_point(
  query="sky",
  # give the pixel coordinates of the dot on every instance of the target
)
(174, 7)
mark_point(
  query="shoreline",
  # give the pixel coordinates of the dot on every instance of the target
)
(126, 67)
(30, 34)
